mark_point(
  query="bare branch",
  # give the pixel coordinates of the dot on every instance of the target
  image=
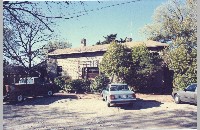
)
(24, 45)
(34, 15)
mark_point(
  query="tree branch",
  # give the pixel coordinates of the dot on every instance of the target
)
(34, 15)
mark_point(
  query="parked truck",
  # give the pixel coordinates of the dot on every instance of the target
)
(29, 86)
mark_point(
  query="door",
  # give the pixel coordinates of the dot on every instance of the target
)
(40, 88)
(189, 94)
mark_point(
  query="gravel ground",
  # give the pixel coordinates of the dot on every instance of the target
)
(88, 111)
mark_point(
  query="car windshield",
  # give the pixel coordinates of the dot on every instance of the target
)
(191, 88)
(118, 87)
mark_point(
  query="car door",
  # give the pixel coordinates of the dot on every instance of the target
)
(195, 96)
(40, 88)
(189, 94)
(27, 87)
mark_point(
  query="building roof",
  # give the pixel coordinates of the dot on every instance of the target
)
(97, 48)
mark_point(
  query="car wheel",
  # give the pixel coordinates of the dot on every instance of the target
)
(20, 98)
(50, 93)
(108, 104)
(177, 99)
(103, 98)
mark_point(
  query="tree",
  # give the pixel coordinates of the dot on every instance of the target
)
(135, 66)
(108, 39)
(24, 12)
(51, 46)
(5, 63)
(26, 28)
(184, 65)
(116, 62)
(176, 21)
(99, 83)
(24, 15)
(27, 38)
(112, 38)
(145, 65)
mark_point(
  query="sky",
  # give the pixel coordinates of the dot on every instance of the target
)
(124, 19)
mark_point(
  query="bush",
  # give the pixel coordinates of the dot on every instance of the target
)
(99, 83)
(86, 85)
(62, 81)
(145, 66)
(182, 81)
(79, 85)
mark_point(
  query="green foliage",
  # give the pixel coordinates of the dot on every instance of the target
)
(173, 19)
(99, 83)
(108, 39)
(176, 21)
(144, 66)
(62, 81)
(79, 85)
(184, 65)
(182, 81)
(135, 66)
(116, 61)
(86, 85)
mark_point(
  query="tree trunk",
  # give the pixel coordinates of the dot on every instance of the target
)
(29, 56)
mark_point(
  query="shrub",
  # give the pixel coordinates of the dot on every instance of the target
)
(182, 81)
(117, 61)
(99, 83)
(79, 85)
(62, 81)
(86, 86)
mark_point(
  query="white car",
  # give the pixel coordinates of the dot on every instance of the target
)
(117, 93)
(189, 94)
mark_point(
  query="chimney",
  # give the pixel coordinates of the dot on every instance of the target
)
(83, 42)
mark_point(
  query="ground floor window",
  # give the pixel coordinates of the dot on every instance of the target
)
(90, 72)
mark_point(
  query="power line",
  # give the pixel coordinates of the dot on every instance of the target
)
(85, 12)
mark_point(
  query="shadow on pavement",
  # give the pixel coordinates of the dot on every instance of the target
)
(189, 103)
(43, 100)
(140, 104)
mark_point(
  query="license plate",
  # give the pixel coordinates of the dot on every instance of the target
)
(123, 96)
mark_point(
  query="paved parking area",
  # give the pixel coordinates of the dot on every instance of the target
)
(70, 111)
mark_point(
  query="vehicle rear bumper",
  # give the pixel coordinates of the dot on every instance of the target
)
(122, 101)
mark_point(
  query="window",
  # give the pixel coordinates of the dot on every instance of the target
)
(37, 81)
(118, 87)
(113, 88)
(192, 88)
(90, 72)
(30, 81)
